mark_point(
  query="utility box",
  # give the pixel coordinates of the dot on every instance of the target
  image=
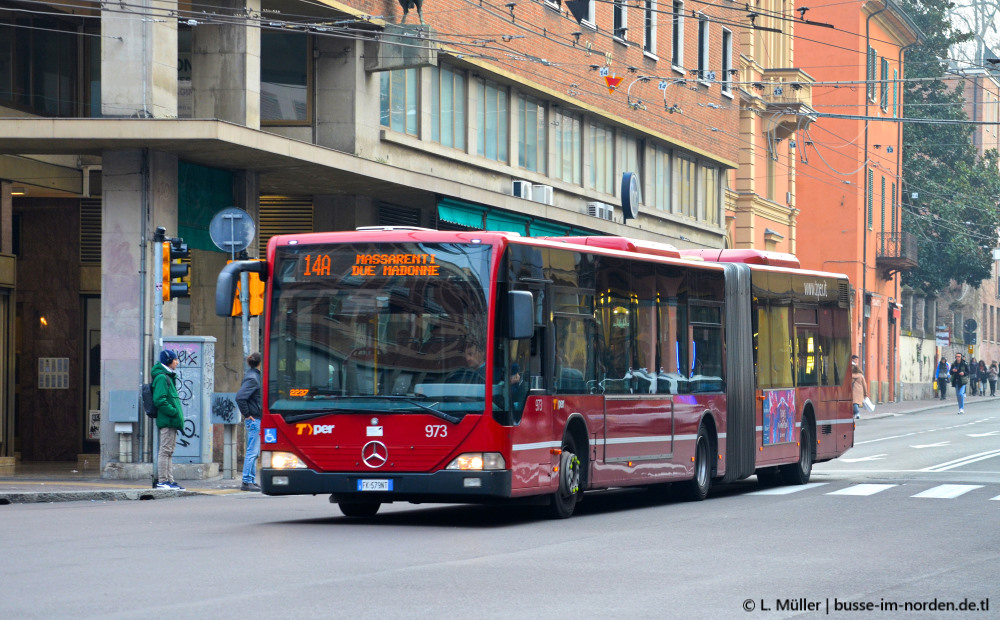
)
(195, 386)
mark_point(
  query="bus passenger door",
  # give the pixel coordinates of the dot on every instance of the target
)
(639, 436)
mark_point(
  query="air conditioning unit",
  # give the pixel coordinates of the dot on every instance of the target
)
(601, 210)
(542, 194)
(521, 189)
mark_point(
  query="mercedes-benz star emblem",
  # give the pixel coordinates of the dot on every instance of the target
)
(374, 454)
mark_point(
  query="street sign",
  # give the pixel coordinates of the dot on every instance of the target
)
(943, 336)
(232, 230)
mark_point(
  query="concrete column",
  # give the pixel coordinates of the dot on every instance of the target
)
(346, 96)
(6, 218)
(139, 60)
(139, 193)
(343, 212)
(225, 66)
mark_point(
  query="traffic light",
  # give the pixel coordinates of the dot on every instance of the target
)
(256, 295)
(174, 272)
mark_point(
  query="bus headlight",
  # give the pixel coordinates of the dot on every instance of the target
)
(478, 461)
(281, 460)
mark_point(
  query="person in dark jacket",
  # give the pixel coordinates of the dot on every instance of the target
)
(973, 376)
(960, 379)
(943, 377)
(169, 416)
(249, 398)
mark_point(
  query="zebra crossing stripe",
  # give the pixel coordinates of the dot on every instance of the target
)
(863, 489)
(948, 491)
(788, 490)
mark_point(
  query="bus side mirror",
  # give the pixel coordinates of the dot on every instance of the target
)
(520, 319)
(229, 277)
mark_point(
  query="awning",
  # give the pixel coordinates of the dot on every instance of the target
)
(461, 213)
(479, 217)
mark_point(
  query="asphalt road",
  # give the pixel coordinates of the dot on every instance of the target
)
(861, 535)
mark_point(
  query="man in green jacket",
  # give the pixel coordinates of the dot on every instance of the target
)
(169, 416)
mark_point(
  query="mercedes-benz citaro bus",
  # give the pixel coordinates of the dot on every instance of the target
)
(415, 365)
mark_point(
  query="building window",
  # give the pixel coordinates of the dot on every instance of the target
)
(703, 48)
(284, 77)
(38, 64)
(677, 51)
(649, 27)
(568, 147)
(871, 196)
(448, 107)
(398, 100)
(895, 85)
(660, 183)
(532, 153)
(629, 158)
(710, 191)
(491, 114)
(883, 205)
(727, 61)
(870, 73)
(685, 184)
(620, 19)
(885, 85)
(602, 158)
(893, 203)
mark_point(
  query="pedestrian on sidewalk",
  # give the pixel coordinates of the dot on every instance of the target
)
(983, 374)
(859, 386)
(992, 377)
(960, 380)
(943, 377)
(250, 401)
(169, 417)
(973, 376)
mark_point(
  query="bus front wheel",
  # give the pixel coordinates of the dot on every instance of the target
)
(359, 509)
(564, 500)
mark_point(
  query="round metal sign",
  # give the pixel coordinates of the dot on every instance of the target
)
(232, 230)
(630, 195)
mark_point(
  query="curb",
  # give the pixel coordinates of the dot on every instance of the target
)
(33, 497)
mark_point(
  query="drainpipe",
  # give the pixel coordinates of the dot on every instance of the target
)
(864, 222)
(899, 185)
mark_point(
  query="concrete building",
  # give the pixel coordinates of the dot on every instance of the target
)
(120, 118)
(850, 219)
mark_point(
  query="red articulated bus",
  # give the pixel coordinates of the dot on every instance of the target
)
(431, 366)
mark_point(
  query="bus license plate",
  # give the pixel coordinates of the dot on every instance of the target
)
(374, 485)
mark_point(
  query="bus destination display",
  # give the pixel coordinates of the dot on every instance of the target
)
(374, 265)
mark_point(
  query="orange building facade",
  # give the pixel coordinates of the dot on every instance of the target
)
(849, 218)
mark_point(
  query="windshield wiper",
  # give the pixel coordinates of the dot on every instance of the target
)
(447, 417)
(308, 415)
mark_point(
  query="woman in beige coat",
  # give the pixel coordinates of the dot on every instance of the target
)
(859, 386)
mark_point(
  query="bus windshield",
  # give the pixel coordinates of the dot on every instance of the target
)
(379, 327)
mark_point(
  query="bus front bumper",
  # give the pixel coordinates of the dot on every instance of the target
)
(439, 486)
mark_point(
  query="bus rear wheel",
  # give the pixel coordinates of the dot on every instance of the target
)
(359, 509)
(696, 489)
(563, 502)
(799, 473)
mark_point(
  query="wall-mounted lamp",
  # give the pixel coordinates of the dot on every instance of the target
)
(18, 191)
(43, 321)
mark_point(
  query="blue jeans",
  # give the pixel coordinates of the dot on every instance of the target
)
(252, 425)
(960, 390)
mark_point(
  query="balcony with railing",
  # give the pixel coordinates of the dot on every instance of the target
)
(895, 251)
(787, 94)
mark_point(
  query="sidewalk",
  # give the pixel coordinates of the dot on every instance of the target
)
(62, 482)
